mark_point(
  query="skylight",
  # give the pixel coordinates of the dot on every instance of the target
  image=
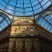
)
(24, 7)
(4, 21)
(45, 21)
(49, 18)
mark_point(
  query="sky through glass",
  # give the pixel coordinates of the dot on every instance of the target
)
(4, 21)
(24, 7)
(45, 21)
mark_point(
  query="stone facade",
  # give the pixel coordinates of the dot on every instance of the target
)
(25, 35)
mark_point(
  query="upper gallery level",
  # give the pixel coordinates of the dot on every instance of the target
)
(25, 27)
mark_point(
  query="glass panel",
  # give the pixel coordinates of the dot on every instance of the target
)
(4, 21)
(45, 21)
(4, 3)
(51, 30)
(24, 7)
(49, 27)
(8, 20)
(12, 3)
(0, 28)
(49, 18)
(2, 25)
(1, 18)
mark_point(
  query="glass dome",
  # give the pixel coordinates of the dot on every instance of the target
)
(4, 21)
(24, 7)
(45, 21)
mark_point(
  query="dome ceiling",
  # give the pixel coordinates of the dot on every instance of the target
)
(24, 7)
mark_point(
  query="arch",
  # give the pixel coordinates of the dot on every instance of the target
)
(23, 21)
(4, 21)
(45, 20)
